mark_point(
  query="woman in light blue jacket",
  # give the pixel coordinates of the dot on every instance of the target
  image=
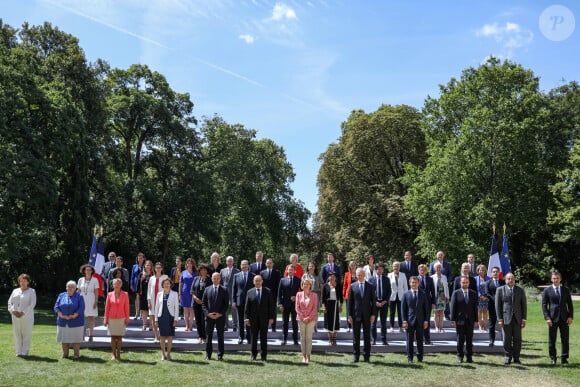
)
(167, 312)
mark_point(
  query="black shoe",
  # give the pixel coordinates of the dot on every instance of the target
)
(517, 361)
(263, 358)
(507, 361)
(459, 359)
(367, 359)
(428, 342)
(283, 341)
(420, 359)
(220, 357)
(469, 360)
(374, 342)
(253, 357)
(296, 342)
(410, 361)
(553, 362)
(491, 344)
(355, 359)
(240, 340)
(385, 342)
(235, 329)
(564, 361)
(248, 341)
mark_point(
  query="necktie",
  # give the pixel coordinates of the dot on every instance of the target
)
(269, 273)
(558, 291)
(245, 278)
(362, 290)
(495, 281)
(332, 267)
(466, 296)
(259, 297)
(215, 293)
(415, 295)
(380, 293)
(422, 283)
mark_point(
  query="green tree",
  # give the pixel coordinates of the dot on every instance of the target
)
(361, 198)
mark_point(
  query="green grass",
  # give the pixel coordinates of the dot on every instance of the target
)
(45, 368)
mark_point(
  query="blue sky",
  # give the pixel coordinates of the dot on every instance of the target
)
(294, 70)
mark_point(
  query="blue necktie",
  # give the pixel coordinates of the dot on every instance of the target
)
(362, 290)
(259, 298)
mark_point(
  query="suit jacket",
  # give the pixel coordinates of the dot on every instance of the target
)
(240, 287)
(443, 280)
(557, 309)
(409, 268)
(415, 312)
(212, 303)
(445, 269)
(473, 270)
(385, 287)
(309, 311)
(259, 312)
(117, 307)
(288, 288)
(172, 275)
(429, 288)
(511, 306)
(403, 286)
(272, 280)
(151, 295)
(257, 269)
(472, 284)
(461, 312)
(198, 286)
(491, 289)
(227, 276)
(325, 271)
(172, 304)
(361, 306)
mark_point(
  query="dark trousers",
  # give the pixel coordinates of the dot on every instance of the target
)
(564, 338)
(275, 318)
(464, 338)
(382, 315)
(427, 331)
(366, 327)
(492, 322)
(286, 313)
(199, 320)
(260, 330)
(415, 331)
(512, 339)
(243, 329)
(396, 307)
(219, 324)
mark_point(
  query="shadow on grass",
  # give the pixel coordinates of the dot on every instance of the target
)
(39, 358)
(192, 362)
(131, 361)
(85, 359)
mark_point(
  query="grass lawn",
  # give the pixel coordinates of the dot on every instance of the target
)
(45, 368)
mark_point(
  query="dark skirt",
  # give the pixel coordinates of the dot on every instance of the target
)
(165, 322)
(332, 316)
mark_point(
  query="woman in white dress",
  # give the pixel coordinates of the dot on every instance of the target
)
(21, 306)
(88, 287)
(153, 288)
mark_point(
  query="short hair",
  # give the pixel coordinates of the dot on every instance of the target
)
(203, 266)
(305, 281)
(380, 264)
(119, 257)
(165, 280)
(396, 263)
(24, 276)
(480, 266)
(229, 257)
(413, 278)
(116, 280)
(466, 264)
(556, 273)
(71, 283)
(421, 266)
(437, 264)
(496, 267)
(359, 269)
(215, 254)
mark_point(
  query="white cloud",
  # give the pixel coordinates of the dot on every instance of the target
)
(282, 11)
(247, 38)
(511, 36)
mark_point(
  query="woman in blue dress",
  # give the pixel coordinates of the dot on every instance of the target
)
(483, 305)
(185, 299)
(167, 312)
(70, 323)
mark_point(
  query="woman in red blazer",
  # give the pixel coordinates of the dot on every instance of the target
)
(117, 316)
(348, 277)
(307, 316)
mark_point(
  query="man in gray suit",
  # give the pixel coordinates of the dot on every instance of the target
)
(511, 308)
(227, 278)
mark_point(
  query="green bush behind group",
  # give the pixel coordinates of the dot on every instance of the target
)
(82, 144)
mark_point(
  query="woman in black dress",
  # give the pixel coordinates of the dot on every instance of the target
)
(332, 307)
(197, 288)
(142, 286)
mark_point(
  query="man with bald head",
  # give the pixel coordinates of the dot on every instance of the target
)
(511, 308)
(259, 313)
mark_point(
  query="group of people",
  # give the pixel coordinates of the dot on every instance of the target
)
(254, 293)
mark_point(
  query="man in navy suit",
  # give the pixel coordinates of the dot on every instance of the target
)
(362, 310)
(415, 309)
(426, 285)
(465, 267)
(214, 302)
(409, 267)
(382, 286)
(330, 267)
(257, 267)
(259, 313)
(243, 281)
(287, 290)
(491, 287)
(463, 318)
(271, 277)
(558, 312)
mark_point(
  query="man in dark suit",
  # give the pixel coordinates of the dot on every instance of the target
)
(243, 281)
(409, 267)
(472, 265)
(463, 318)
(271, 277)
(426, 285)
(215, 303)
(491, 287)
(512, 309)
(287, 290)
(465, 273)
(362, 310)
(382, 286)
(330, 267)
(227, 275)
(257, 267)
(107, 268)
(415, 309)
(259, 313)
(558, 312)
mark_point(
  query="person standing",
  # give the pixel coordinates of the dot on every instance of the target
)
(473, 272)
(198, 286)
(243, 281)
(370, 269)
(298, 269)
(215, 303)
(70, 322)
(21, 307)
(227, 277)
(399, 287)
(446, 271)
(415, 310)
(153, 288)
(332, 300)
(441, 291)
(349, 277)
(175, 275)
(362, 311)
(271, 277)
(558, 312)
(491, 288)
(483, 303)
(330, 267)
(287, 290)
(167, 314)
(215, 265)
(465, 273)
(511, 308)
(307, 316)
(408, 267)
(258, 315)
(426, 285)
(136, 271)
(117, 316)
(463, 319)
(257, 267)
(142, 287)
(107, 267)
(185, 299)
(382, 286)
(88, 287)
